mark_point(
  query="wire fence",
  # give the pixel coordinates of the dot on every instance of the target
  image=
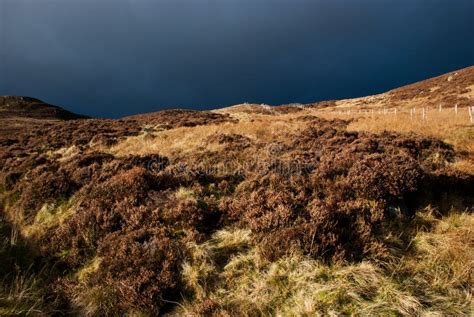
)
(414, 113)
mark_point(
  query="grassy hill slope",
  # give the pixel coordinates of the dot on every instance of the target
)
(342, 207)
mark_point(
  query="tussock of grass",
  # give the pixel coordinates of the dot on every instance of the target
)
(65, 153)
(434, 277)
(95, 299)
(50, 215)
(443, 264)
(89, 269)
(198, 271)
(21, 296)
(184, 193)
(89, 299)
(21, 285)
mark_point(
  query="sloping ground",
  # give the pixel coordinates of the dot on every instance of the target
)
(26, 107)
(232, 213)
(446, 90)
(436, 107)
(120, 227)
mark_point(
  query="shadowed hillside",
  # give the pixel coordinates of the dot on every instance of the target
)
(26, 107)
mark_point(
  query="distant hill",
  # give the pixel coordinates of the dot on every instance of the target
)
(27, 107)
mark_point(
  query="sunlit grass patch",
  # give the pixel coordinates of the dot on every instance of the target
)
(50, 215)
(432, 277)
(184, 141)
(183, 193)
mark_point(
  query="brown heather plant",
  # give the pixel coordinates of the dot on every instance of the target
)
(243, 211)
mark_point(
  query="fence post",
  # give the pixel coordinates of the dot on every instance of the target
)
(440, 107)
(424, 113)
(456, 109)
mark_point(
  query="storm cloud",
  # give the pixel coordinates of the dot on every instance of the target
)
(113, 58)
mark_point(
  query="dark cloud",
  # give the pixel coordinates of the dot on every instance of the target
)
(111, 58)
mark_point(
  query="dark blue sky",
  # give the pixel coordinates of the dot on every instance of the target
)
(113, 58)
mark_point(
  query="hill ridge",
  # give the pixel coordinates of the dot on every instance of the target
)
(28, 107)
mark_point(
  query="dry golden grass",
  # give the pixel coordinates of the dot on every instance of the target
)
(455, 130)
(434, 278)
(190, 140)
(91, 299)
(49, 216)
(21, 292)
(65, 153)
(21, 296)
(445, 125)
(184, 193)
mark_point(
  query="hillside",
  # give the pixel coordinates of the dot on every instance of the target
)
(456, 87)
(446, 90)
(26, 107)
(357, 206)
